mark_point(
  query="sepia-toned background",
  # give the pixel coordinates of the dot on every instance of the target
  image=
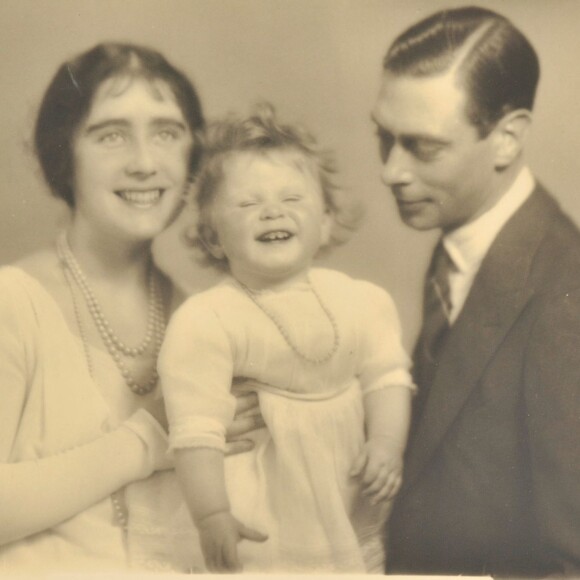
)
(318, 61)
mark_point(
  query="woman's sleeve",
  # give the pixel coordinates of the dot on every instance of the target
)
(196, 368)
(384, 362)
(38, 494)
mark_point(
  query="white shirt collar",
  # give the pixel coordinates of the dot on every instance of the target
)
(468, 245)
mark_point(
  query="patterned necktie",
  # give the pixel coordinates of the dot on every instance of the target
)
(436, 317)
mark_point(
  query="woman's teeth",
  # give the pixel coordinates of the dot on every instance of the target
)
(139, 198)
(274, 236)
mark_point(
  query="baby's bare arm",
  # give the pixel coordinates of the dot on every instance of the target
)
(201, 475)
(380, 465)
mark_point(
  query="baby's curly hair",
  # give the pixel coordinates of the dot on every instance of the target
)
(262, 133)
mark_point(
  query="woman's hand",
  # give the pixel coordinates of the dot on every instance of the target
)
(157, 410)
(219, 534)
(246, 419)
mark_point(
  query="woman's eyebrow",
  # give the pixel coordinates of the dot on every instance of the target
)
(107, 123)
(169, 121)
(121, 122)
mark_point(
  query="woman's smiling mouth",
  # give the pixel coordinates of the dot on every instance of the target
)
(140, 198)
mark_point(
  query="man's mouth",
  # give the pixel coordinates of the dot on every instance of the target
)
(411, 202)
(140, 198)
(275, 236)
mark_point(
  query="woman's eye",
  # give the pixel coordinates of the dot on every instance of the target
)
(166, 136)
(248, 203)
(293, 198)
(112, 138)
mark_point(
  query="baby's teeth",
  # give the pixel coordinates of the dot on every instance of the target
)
(277, 236)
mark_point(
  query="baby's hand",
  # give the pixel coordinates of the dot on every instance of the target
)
(219, 534)
(380, 468)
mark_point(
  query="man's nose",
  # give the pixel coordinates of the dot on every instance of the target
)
(396, 166)
(142, 160)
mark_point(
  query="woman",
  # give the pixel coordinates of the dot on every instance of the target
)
(82, 427)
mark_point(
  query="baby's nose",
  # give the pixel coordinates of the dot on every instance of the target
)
(272, 210)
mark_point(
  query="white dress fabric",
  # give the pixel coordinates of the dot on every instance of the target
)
(294, 485)
(49, 404)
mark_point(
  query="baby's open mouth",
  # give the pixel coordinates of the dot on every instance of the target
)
(275, 236)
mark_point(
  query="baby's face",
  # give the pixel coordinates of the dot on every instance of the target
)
(269, 218)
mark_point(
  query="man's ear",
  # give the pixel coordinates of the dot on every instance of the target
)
(510, 136)
(210, 240)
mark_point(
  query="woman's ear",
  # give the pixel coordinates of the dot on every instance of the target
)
(210, 240)
(326, 228)
(510, 135)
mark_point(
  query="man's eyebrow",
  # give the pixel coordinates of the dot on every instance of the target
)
(425, 137)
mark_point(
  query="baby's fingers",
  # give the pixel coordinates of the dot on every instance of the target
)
(229, 557)
(374, 481)
(388, 490)
(250, 534)
(211, 555)
(358, 465)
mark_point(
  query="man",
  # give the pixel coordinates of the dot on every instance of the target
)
(492, 480)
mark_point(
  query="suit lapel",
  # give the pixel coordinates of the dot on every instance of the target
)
(498, 295)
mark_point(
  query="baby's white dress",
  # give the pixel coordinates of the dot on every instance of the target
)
(295, 484)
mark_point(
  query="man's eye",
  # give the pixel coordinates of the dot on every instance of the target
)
(293, 198)
(248, 203)
(386, 142)
(425, 150)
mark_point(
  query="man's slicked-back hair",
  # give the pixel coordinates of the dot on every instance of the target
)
(495, 62)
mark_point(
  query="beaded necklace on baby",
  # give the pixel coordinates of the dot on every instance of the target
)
(252, 294)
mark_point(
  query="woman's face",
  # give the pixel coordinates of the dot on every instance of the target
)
(131, 157)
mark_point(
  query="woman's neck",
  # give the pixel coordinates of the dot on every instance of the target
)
(108, 258)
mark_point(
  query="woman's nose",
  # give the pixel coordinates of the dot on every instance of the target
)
(396, 166)
(142, 159)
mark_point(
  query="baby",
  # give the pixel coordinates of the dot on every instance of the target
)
(322, 350)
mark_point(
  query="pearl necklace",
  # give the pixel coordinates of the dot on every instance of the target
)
(155, 321)
(252, 294)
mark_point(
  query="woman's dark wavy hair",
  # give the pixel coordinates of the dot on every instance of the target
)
(262, 133)
(497, 65)
(69, 96)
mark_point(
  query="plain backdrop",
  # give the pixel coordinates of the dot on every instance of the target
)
(318, 61)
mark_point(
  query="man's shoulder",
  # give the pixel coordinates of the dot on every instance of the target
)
(557, 258)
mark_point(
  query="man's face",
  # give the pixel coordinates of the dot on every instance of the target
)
(438, 168)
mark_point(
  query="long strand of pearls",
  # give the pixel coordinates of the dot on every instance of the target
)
(285, 335)
(116, 348)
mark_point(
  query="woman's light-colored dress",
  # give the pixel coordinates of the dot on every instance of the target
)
(295, 485)
(50, 407)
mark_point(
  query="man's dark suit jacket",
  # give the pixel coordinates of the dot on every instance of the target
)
(492, 477)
